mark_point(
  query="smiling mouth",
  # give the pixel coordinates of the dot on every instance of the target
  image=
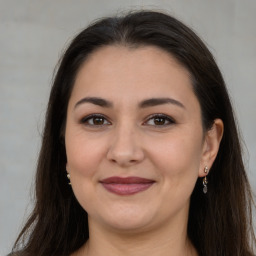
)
(126, 186)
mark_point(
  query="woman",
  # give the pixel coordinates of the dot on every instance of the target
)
(140, 153)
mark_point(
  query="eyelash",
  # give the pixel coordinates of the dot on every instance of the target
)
(162, 117)
(93, 117)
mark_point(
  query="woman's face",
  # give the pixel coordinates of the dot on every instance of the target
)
(134, 139)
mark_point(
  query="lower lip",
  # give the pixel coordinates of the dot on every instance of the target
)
(126, 189)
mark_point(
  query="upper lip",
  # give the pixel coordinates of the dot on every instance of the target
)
(126, 180)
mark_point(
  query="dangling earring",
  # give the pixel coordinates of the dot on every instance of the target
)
(205, 181)
(68, 176)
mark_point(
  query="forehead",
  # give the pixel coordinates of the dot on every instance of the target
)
(107, 57)
(132, 73)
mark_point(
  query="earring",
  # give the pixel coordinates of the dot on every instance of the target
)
(68, 176)
(205, 181)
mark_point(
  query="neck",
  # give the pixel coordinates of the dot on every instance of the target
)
(163, 241)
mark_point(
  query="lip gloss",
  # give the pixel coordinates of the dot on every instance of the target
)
(126, 186)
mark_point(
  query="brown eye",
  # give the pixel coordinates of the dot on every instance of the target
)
(95, 120)
(98, 121)
(159, 120)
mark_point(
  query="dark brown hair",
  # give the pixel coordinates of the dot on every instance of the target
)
(220, 222)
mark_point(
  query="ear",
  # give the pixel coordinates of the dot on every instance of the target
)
(211, 145)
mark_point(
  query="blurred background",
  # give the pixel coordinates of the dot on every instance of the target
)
(33, 35)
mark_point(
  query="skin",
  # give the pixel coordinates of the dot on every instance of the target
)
(128, 141)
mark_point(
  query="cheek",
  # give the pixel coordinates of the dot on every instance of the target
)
(178, 157)
(83, 156)
(83, 159)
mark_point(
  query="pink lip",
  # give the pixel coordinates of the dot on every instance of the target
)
(126, 186)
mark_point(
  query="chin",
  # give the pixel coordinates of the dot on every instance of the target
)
(127, 220)
(129, 226)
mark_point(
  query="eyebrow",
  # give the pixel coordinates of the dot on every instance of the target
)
(144, 104)
(160, 101)
(96, 101)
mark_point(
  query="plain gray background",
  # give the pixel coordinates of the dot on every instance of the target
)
(33, 35)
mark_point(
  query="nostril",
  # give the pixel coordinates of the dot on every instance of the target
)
(125, 149)
(125, 158)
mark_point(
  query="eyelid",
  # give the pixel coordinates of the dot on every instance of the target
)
(85, 119)
(168, 118)
(160, 115)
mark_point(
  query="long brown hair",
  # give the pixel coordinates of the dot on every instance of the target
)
(220, 222)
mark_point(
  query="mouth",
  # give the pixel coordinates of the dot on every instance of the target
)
(126, 186)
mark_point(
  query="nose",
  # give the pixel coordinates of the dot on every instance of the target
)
(125, 148)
